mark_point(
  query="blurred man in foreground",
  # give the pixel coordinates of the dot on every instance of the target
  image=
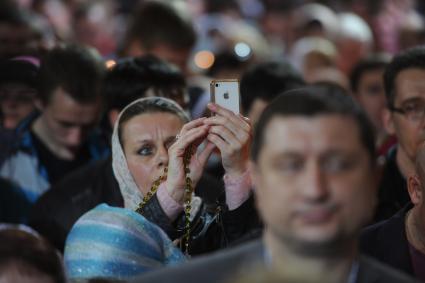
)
(312, 164)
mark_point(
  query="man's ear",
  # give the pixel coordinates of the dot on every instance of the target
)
(255, 180)
(113, 116)
(414, 188)
(252, 168)
(388, 119)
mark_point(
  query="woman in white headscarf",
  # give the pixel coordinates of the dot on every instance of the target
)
(144, 144)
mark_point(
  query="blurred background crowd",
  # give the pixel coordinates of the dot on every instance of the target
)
(227, 35)
(69, 67)
(323, 40)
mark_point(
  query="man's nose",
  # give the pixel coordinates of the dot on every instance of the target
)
(314, 185)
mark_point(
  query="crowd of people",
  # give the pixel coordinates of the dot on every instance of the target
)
(115, 166)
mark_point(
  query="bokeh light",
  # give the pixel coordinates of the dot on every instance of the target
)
(110, 63)
(242, 49)
(204, 59)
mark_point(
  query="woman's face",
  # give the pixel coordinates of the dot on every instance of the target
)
(145, 140)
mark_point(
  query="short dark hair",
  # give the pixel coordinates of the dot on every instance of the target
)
(371, 63)
(130, 78)
(76, 69)
(18, 71)
(29, 251)
(155, 23)
(226, 61)
(409, 58)
(266, 81)
(309, 102)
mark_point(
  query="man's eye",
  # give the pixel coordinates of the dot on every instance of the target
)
(144, 151)
(337, 164)
(290, 166)
(410, 107)
(374, 90)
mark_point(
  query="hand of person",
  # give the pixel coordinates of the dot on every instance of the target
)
(232, 135)
(191, 135)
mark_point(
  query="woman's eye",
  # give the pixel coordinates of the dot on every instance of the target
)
(144, 151)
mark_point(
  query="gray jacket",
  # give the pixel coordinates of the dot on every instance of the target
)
(224, 265)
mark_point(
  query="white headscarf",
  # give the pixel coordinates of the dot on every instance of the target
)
(130, 191)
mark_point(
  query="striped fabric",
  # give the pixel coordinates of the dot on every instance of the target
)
(116, 243)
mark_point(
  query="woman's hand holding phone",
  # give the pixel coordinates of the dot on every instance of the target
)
(191, 135)
(231, 134)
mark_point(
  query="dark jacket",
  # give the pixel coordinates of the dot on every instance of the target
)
(387, 242)
(392, 194)
(225, 265)
(54, 214)
(56, 211)
(14, 207)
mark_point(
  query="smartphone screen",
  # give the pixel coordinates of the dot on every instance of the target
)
(226, 94)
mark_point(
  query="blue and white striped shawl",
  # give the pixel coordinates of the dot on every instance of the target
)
(116, 243)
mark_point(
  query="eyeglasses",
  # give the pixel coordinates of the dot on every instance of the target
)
(412, 111)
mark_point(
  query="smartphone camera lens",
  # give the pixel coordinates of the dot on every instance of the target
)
(216, 85)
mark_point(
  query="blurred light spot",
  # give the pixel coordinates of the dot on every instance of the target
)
(242, 49)
(204, 59)
(110, 63)
(97, 13)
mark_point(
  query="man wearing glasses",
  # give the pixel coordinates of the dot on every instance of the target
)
(404, 82)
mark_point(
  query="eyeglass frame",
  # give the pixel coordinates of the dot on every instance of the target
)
(404, 112)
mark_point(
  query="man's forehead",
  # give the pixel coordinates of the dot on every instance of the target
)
(314, 132)
(410, 82)
(60, 98)
(62, 107)
(289, 121)
(172, 55)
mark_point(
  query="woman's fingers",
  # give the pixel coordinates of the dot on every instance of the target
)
(231, 134)
(226, 116)
(187, 139)
(205, 153)
(234, 140)
(241, 130)
(218, 142)
(192, 124)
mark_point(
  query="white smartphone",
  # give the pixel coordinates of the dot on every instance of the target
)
(226, 94)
